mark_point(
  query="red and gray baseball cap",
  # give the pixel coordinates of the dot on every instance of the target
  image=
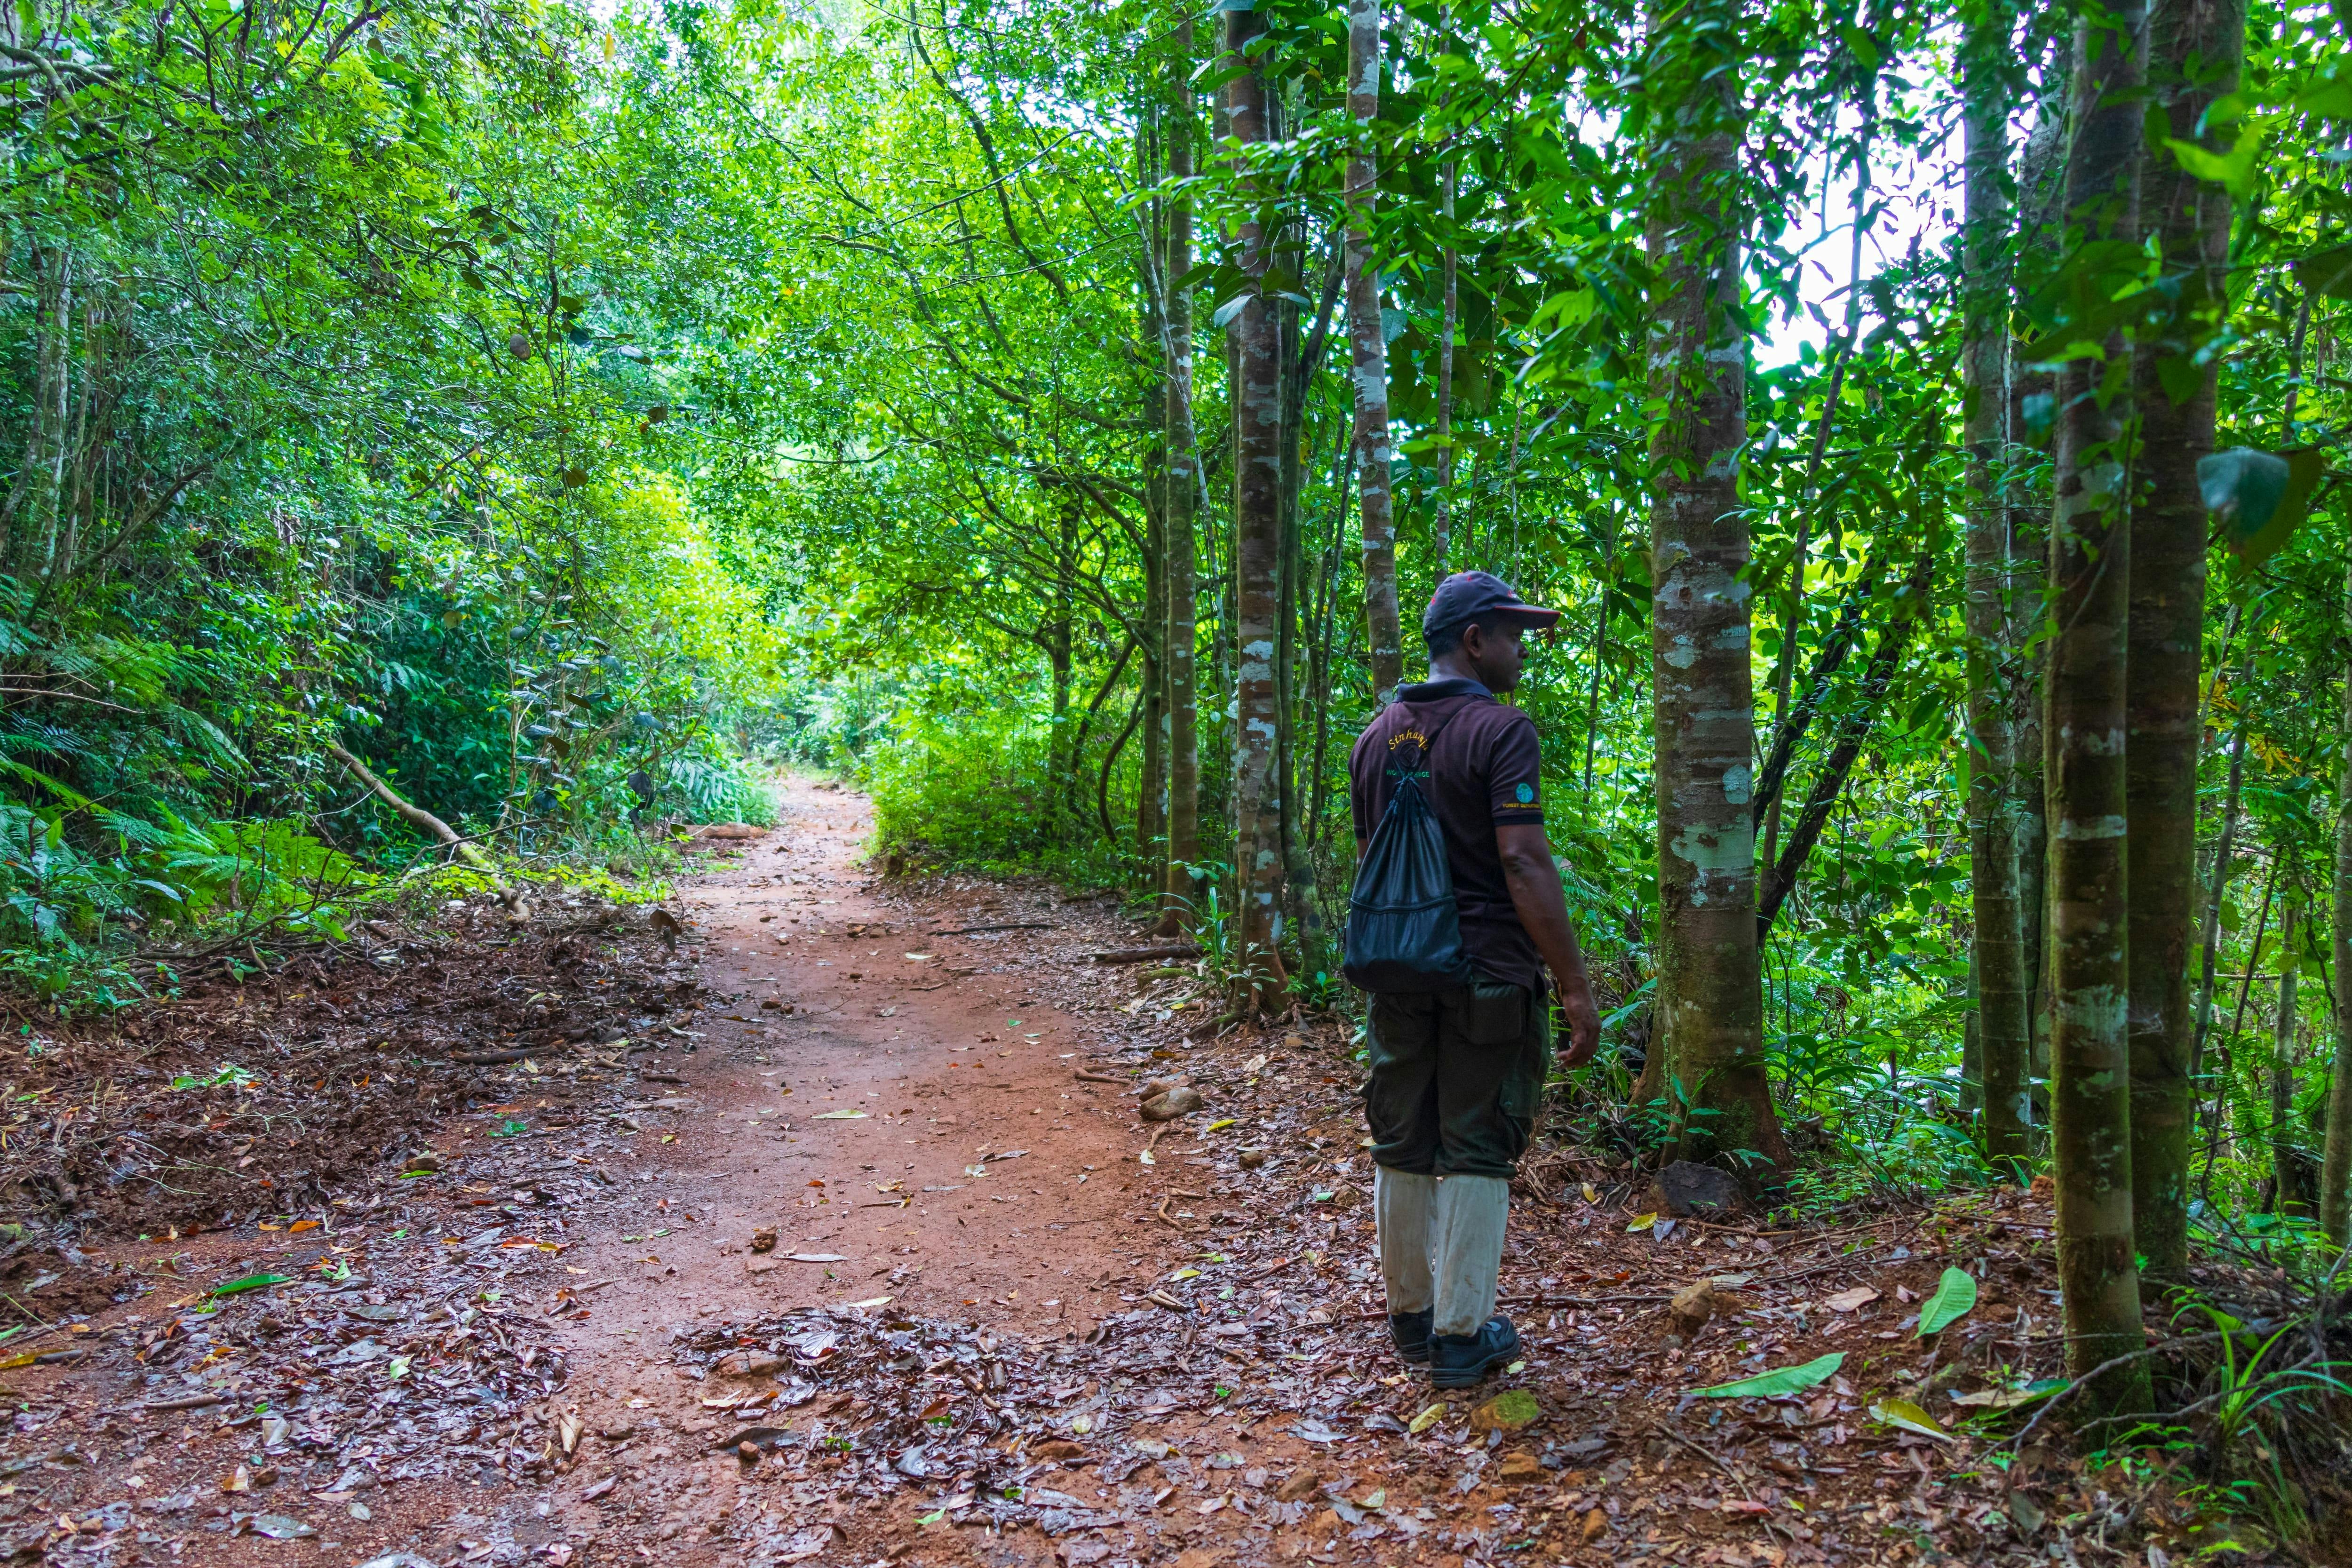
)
(1466, 595)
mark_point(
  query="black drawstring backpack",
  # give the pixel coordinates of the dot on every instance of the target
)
(1404, 930)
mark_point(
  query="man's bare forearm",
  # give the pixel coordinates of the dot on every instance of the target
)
(1543, 910)
(1542, 906)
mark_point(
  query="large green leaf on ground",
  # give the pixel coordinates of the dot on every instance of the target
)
(1780, 1381)
(1955, 1294)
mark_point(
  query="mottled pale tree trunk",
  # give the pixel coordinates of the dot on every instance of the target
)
(2000, 970)
(2336, 1156)
(2193, 49)
(2090, 581)
(1183, 494)
(1368, 351)
(1709, 1008)
(1257, 558)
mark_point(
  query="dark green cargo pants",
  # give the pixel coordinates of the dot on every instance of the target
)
(1457, 1078)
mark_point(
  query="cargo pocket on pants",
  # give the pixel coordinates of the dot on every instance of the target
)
(1493, 1015)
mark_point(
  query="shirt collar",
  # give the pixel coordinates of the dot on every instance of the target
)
(1437, 690)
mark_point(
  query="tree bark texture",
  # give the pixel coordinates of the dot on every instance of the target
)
(2000, 972)
(1182, 572)
(1258, 561)
(1151, 795)
(2335, 1155)
(2193, 49)
(2040, 204)
(2090, 584)
(1368, 351)
(1709, 1007)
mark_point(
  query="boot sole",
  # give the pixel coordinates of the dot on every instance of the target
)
(1472, 1376)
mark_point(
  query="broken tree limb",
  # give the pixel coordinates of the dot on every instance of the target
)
(1146, 955)
(1852, 731)
(417, 816)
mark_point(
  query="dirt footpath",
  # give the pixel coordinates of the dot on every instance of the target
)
(813, 1220)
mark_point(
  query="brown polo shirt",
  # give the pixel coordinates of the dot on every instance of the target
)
(1484, 772)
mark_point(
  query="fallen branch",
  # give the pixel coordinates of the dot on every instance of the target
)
(2105, 1367)
(1145, 954)
(499, 1057)
(417, 816)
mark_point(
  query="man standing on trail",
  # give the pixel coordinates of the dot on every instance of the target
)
(1457, 1073)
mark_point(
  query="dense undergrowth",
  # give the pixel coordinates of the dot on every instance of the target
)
(336, 391)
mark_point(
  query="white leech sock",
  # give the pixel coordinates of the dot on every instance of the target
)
(1470, 1214)
(1400, 1204)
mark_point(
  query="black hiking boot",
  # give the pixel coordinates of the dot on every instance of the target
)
(1463, 1361)
(1411, 1333)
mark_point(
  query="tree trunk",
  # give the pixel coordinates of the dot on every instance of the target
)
(2193, 50)
(2224, 848)
(1183, 494)
(1999, 971)
(1709, 1007)
(2336, 1158)
(1296, 911)
(2040, 200)
(1150, 797)
(1258, 561)
(1450, 269)
(1059, 638)
(2090, 584)
(2282, 1148)
(1368, 351)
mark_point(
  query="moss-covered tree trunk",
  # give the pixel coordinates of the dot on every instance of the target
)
(1183, 569)
(1709, 1009)
(2193, 48)
(2001, 1034)
(1258, 557)
(2085, 729)
(1368, 351)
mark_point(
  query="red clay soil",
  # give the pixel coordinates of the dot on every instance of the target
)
(823, 1240)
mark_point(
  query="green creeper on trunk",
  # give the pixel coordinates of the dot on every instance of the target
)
(1710, 1000)
(2087, 715)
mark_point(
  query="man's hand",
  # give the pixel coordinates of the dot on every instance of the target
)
(1583, 1025)
(1543, 909)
